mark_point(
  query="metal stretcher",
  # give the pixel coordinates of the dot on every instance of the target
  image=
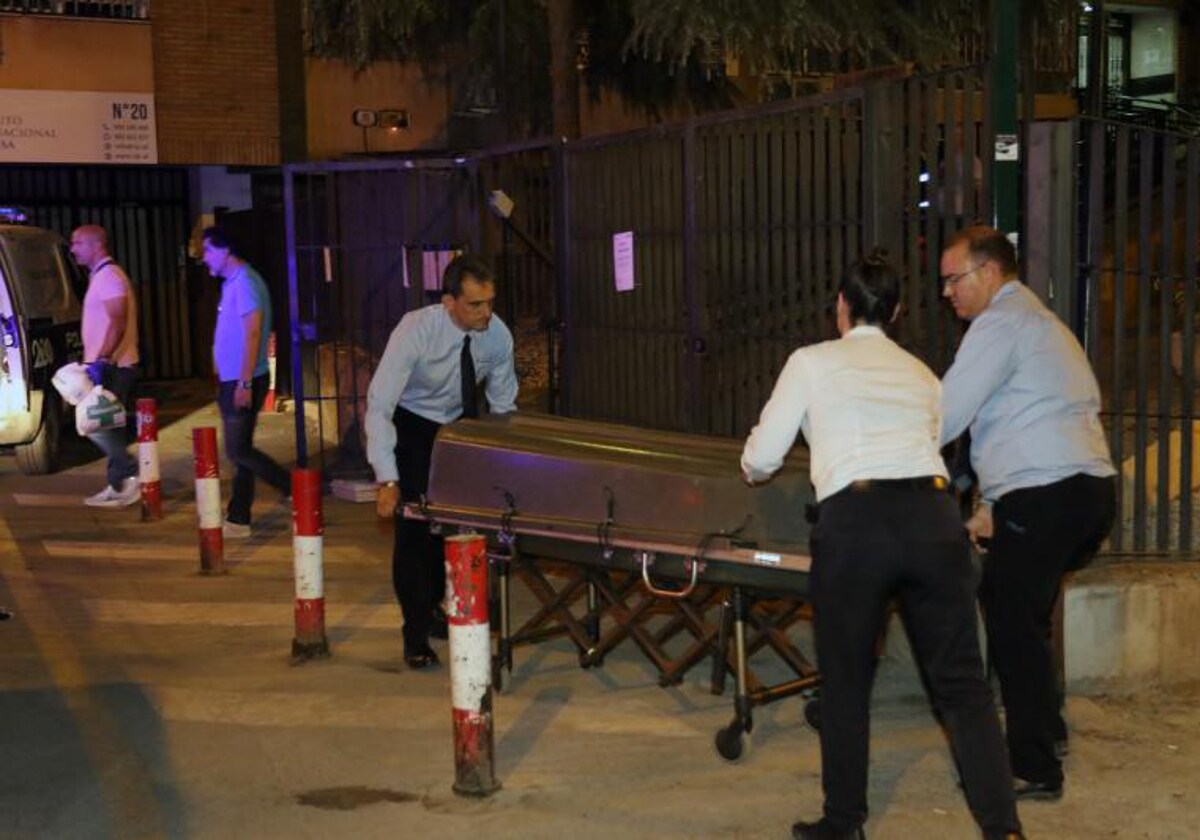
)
(618, 507)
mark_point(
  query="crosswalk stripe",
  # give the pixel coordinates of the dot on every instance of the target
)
(395, 711)
(131, 551)
(282, 553)
(48, 499)
(245, 614)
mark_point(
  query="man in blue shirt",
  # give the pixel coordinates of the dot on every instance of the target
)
(1022, 384)
(427, 377)
(240, 356)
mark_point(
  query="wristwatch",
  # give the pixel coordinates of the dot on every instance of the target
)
(245, 384)
(383, 484)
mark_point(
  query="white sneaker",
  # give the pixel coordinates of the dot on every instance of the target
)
(130, 492)
(235, 531)
(105, 498)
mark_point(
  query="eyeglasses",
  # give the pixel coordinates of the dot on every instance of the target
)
(951, 279)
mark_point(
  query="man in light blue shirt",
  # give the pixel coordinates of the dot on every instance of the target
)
(1023, 386)
(240, 357)
(428, 376)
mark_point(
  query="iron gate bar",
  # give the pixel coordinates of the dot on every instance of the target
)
(1142, 434)
(1121, 238)
(1166, 287)
(1191, 232)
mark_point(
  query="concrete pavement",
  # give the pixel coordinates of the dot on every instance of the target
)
(140, 699)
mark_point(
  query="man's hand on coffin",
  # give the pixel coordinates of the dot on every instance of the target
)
(979, 528)
(388, 499)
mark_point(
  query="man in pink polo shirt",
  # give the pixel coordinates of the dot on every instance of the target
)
(110, 350)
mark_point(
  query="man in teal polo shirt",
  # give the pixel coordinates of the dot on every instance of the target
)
(240, 356)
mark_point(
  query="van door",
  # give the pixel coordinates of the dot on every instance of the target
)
(14, 378)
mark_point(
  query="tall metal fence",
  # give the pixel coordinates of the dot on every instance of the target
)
(145, 212)
(367, 242)
(741, 225)
(1139, 233)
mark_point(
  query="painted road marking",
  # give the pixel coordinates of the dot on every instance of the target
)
(395, 711)
(275, 553)
(244, 614)
(48, 500)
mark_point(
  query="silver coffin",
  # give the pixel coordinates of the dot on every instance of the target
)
(610, 495)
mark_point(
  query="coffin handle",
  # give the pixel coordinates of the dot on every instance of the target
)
(646, 559)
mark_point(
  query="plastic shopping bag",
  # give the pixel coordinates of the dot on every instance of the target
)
(72, 382)
(100, 409)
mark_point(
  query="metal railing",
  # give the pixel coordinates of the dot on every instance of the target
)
(106, 9)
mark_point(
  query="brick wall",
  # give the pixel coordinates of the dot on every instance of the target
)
(216, 82)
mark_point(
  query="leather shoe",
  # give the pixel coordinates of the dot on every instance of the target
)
(439, 625)
(822, 830)
(421, 659)
(1037, 791)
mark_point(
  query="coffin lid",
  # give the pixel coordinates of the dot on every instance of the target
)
(576, 475)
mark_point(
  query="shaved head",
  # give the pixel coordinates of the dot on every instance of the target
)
(89, 245)
(95, 233)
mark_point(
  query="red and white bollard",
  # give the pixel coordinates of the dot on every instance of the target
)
(470, 665)
(149, 474)
(308, 545)
(269, 402)
(208, 500)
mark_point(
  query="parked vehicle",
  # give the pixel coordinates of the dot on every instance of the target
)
(40, 331)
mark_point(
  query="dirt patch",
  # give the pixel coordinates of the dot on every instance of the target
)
(350, 798)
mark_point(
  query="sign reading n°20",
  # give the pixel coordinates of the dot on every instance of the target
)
(70, 126)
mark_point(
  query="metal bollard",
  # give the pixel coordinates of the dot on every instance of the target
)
(308, 544)
(208, 500)
(269, 401)
(149, 474)
(470, 665)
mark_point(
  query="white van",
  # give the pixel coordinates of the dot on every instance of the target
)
(39, 328)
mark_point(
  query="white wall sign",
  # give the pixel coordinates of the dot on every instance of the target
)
(61, 126)
(623, 260)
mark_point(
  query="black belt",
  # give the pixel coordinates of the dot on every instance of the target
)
(921, 482)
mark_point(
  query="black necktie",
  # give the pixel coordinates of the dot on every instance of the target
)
(470, 401)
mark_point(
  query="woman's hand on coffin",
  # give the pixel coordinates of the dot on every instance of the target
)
(388, 499)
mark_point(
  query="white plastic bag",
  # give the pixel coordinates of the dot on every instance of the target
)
(72, 381)
(100, 409)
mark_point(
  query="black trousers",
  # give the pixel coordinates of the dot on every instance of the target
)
(868, 547)
(1040, 534)
(418, 563)
(239, 425)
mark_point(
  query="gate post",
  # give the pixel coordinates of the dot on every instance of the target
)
(289, 227)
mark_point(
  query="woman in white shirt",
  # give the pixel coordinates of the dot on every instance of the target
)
(871, 414)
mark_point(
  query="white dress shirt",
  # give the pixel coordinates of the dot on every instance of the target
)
(868, 409)
(420, 371)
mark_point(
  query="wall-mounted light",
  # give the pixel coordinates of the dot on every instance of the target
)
(393, 119)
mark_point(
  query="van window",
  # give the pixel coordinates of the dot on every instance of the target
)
(40, 282)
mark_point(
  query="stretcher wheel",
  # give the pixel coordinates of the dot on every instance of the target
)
(731, 743)
(812, 713)
(588, 659)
